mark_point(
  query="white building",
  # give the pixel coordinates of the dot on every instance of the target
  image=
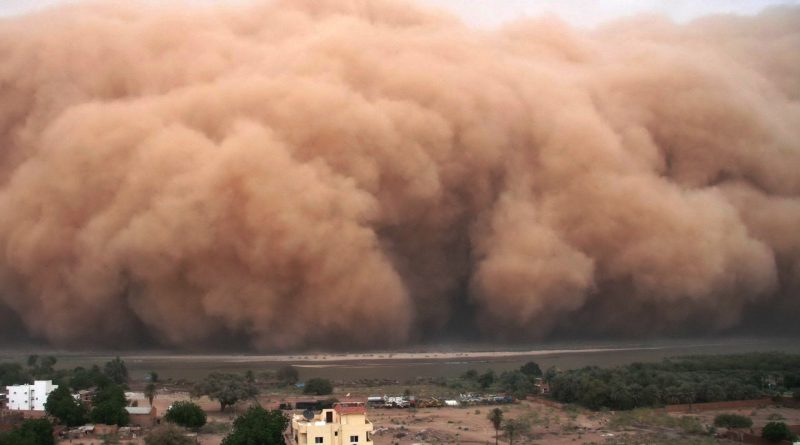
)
(345, 424)
(29, 397)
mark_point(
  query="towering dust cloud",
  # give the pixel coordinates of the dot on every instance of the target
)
(310, 173)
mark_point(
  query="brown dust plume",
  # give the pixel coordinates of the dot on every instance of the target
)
(351, 174)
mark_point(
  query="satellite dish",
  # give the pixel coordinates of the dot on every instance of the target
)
(308, 414)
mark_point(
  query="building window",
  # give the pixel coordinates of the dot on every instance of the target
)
(354, 439)
(317, 440)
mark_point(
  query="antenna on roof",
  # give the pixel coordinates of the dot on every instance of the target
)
(308, 414)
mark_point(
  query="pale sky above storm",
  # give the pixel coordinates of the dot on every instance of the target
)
(484, 13)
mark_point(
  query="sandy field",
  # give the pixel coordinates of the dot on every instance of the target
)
(550, 423)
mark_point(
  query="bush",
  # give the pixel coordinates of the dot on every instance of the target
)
(318, 387)
(31, 432)
(776, 432)
(258, 426)
(186, 414)
(732, 421)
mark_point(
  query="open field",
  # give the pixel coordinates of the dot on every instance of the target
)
(404, 366)
(550, 423)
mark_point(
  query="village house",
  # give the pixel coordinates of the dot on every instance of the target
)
(143, 416)
(29, 397)
(344, 424)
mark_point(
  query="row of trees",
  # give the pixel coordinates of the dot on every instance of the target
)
(519, 382)
(772, 431)
(255, 426)
(43, 368)
(685, 380)
(227, 389)
(108, 406)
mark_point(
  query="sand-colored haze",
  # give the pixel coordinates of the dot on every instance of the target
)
(353, 174)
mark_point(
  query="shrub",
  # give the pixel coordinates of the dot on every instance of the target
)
(776, 432)
(732, 421)
(318, 387)
(186, 414)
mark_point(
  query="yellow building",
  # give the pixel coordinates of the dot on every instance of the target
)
(344, 424)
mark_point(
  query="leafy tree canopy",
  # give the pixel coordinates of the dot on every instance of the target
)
(31, 432)
(318, 387)
(116, 371)
(186, 414)
(227, 389)
(776, 432)
(487, 379)
(61, 405)
(531, 369)
(258, 426)
(109, 406)
(516, 383)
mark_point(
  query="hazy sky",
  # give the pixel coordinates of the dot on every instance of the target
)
(489, 13)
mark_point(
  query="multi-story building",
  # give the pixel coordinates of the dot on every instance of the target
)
(29, 397)
(344, 424)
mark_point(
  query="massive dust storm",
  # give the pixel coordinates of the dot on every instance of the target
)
(369, 174)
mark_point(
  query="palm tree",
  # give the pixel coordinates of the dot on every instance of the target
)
(150, 392)
(496, 417)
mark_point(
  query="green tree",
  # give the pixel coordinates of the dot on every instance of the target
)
(486, 379)
(776, 432)
(515, 428)
(516, 383)
(796, 394)
(258, 426)
(318, 386)
(288, 375)
(227, 389)
(31, 432)
(496, 419)
(550, 374)
(732, 421)
(61, 405)
(186, 414)
(531, 369)
(12, 374)
(109, 406)
(152, 376)
(116, 371)
(167, 435)
(150, 392)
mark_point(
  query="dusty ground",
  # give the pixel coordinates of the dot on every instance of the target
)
(760, 416)
(469, 425)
